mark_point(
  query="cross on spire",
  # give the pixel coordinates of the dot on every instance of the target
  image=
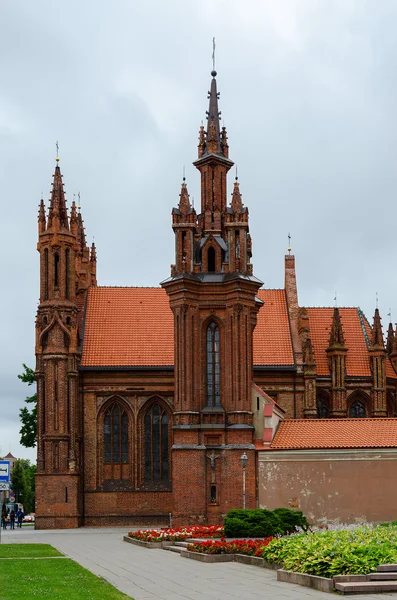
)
(213, 54)
(289, 244)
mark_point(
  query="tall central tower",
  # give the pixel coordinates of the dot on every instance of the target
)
(213, 298)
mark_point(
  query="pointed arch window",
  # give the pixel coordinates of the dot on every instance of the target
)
(322, 409)
(211, 259)
(56, 270)
(116, 435)
(213, 366)
(357, 410)
(156, 449)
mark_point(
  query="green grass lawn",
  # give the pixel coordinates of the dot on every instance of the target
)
(27, 550)
(52, 578)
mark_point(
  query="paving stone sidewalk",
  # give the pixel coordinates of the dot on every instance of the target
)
(160, 575)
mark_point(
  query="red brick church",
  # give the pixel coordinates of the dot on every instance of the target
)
(148, 397)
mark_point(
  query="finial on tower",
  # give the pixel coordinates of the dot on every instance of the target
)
(57, 147)
(236, 178)
(289, 244)
(336, 300)
(183, 174)
(78, 203)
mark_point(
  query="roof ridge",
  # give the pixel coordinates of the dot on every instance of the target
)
(340, 420)
(126, 287)
(332, 307)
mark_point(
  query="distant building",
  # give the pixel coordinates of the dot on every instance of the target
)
(148, 397)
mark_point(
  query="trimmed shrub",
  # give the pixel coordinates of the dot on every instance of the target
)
(259, 523)
(291, 520)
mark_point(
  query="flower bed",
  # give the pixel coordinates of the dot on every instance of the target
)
(329, 553)
(249, 547)
(177, 534)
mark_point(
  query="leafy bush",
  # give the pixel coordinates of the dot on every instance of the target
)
(252, 523)
(329, 553)
(291, 520)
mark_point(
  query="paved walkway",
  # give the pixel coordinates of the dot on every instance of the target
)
(157, 574)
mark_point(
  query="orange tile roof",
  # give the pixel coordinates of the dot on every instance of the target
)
(134, 327)
(357, 359)
(128, 327)
(390, 372)
(335, 433)
(272, 335)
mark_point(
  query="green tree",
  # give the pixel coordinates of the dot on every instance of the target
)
(28, 416)
(22, 479)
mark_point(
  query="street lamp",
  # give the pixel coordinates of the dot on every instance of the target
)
(244, 460)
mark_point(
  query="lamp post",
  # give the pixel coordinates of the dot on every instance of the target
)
(244, 460)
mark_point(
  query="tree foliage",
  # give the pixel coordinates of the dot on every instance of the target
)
(22, 480)
(28, 416)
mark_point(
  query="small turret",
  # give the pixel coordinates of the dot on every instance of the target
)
(378, 368)
(390, 339)
(377, 334)
(336, 353)
(42, 218)
(336, 337)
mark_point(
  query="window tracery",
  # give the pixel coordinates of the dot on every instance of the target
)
(156, 448)
(213, 366)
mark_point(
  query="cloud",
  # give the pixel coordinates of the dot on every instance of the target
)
(308, 94)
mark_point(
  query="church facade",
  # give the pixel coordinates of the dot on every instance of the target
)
(148, 397)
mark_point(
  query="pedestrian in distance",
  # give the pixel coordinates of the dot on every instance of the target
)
(12, 520)
(20, 517)
(4, 516)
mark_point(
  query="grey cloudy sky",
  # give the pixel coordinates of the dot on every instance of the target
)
(308, 95)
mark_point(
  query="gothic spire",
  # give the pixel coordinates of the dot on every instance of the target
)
(213, 114)
(73, 219)
(42, 219)
(236, 204)
(58, 216)
(184, 202)
(336, 337)
(81, 232)
(377, 335)
(390, 339)
(93, 253)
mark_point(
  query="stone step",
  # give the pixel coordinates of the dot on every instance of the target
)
(182, 544)
(366, 587)
(387, 568)
(385, 576)
(174, 548)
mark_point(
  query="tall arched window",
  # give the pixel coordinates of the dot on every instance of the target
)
(46, 274)
(322, 408)
(357, 410)
(156, 460)
(56, 270)
(213, 366)
(211, 259)
(67, 290)
(116, 435)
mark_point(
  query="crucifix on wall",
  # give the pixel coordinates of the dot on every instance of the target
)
(212, 458)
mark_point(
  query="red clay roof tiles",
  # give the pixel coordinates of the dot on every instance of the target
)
(335, 433)
(128, 327)
(134, 327)
(272, 335)
(357, 359)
